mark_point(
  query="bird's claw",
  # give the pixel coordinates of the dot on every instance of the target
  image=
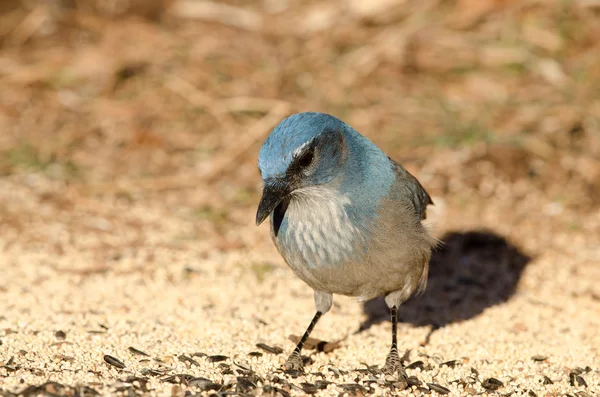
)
(393, 366)
(294, 362)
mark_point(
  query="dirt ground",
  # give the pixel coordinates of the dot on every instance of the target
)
(129, 133)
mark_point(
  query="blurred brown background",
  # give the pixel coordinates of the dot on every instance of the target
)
(492, 103)
(127, 97)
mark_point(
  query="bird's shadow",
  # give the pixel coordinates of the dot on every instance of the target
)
(468, 273)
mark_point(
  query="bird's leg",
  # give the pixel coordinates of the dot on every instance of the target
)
(294, 361)
(393, 364)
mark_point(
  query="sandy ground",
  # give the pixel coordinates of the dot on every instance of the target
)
(85, 283)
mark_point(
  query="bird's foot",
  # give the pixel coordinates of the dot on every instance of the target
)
(393, 366)
(294, 362)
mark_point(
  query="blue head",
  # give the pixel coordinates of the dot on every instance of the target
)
(305, 149)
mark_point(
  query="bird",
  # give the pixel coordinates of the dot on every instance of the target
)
(345, 217)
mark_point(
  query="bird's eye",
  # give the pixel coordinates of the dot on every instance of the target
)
(306, 158)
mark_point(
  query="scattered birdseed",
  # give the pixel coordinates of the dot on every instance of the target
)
(492, 384)
(406, 356)
(547, 381)
(244, 367)
(451, 363)
(277, 390)
(353, 388)
(60, 335)
(417, 364)
(244, 385)
(115, 362)
(138, 382)
(9, 364)
(270, 349)
(309, 388)
(577, 380)
(255, 354)
(294, 373)
(322, 384)
(216, 358)
(583, 394)
(137, 351)
(179, 378)
(532, 393)
(413, 381)
(539, 358)
(64, 357)
(185, 359)
(438, 388)
(152, 372)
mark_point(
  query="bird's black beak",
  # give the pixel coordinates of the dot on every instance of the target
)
(274, 191)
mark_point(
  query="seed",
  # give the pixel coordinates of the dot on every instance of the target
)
(243, 366)
(124, 387)
(417, 364)
(151, 372)
(492, 384)
(115, 362)
(547, 381)
(179, 378)
(185, 359)
(64, 357)
(309, 388)
(294, 373)
(87, 391)
(199, 381)
(60, 335)
(270, 349)
(216, 358)
(138, 382)
(306, 360)
(451, 363)
(580, 381)
(210, 386)
(137, 351)
(282, 392)
(9, 364)
(572, 376)
(353, 388)
(438, 388)
(322, 384)
(244, 385)
(538, 358)
(532, 393)
(413, 381)
(255, 354)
